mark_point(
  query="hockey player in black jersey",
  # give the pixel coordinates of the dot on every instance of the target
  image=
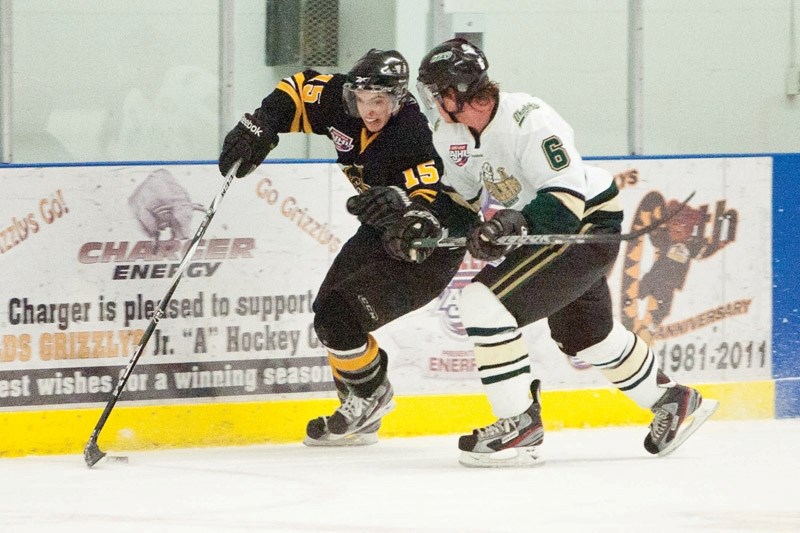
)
(384, 146)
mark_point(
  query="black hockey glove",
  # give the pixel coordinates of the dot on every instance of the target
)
(250, 140)
(416, 223)
(379, 206)
(480, 239)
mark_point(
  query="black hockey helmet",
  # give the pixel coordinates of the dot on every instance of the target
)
(383, 71)
(456, 64)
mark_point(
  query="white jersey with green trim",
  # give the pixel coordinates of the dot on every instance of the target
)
(525, 148)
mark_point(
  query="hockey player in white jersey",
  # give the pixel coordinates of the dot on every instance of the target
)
(516, 148)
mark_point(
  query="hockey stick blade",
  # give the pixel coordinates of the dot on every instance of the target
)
(554, 238)
(92, 452)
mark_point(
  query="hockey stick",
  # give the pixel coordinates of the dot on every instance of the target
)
(553, 238)
(92, 452)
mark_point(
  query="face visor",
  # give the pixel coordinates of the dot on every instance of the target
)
(369, 96)
(429, 95)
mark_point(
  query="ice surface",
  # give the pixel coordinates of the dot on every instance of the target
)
(729, 476)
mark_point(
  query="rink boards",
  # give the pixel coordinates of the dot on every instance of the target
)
(236, 360)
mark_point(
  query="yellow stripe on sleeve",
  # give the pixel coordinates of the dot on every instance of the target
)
(298, 105)
(427, 194)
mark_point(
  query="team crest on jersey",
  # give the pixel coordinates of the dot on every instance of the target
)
(342, 142)
(355, 173)
(503, 187)
(459, 154)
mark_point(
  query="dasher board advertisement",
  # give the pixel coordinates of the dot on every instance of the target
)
(86, 253)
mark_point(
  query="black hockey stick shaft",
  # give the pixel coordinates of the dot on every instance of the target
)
(92, 452)
(554, 238)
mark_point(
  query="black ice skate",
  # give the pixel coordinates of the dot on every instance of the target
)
(509, 441)
(355, 422)
(318, 434)
(678, 413)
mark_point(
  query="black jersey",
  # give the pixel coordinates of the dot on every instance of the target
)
(401, 154)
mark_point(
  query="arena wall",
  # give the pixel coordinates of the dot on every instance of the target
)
(85, 260)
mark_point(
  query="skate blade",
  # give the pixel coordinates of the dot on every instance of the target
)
(706, 409)
(525, 457)
(354, 439)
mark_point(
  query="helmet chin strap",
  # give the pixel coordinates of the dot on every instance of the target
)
(451, 114)
(459, 108)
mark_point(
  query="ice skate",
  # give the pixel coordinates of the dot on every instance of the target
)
(678, 413)
(360, 415)
(318, 434)
(510, 441)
